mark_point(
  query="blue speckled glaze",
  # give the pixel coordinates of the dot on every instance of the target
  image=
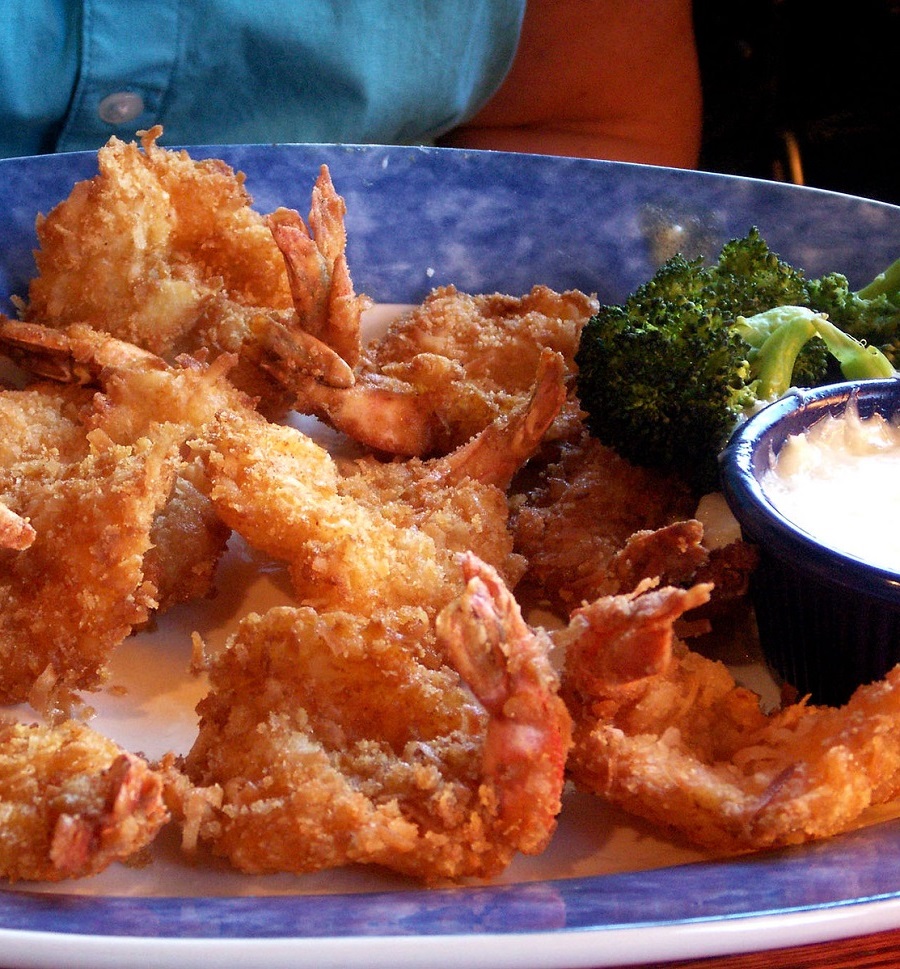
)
(485, 221)
(418, 218)
(851, 869)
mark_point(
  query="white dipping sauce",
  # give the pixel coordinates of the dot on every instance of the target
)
(840, 482)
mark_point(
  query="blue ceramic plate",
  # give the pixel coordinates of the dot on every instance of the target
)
(418, 218)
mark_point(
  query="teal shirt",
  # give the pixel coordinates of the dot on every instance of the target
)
(75, 72)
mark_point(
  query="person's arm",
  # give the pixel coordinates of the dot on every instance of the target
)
(615, 79)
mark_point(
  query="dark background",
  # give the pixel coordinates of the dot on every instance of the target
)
(803, 90)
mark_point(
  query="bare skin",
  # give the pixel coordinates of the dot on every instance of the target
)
(614, 79)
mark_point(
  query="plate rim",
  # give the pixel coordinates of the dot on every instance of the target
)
(883, 911)
(584, 948)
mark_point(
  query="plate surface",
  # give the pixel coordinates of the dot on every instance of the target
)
(609, 891)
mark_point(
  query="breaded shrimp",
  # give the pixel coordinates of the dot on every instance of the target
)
(139, 396)
(447, 370)
(376, 532)
(667, 734)
(325, 740)
(122, 525)
(79, 588)
(167, 253)
(72, 802)
(79, 584)
(582, 510)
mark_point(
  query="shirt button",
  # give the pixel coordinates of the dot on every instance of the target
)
(120, 107)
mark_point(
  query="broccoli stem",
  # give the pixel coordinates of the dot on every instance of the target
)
(859, 361)
(773, 363)
(777, 336)
(886, 283)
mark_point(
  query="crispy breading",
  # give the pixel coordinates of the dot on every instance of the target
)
(368, 532)
(167, 252)
(79, 588)
(72, 802)
(326, 740)
(138, 249)
(585, 506)
(667, 734)
(448, 369)
(122, 525)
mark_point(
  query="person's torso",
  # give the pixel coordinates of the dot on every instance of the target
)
(75, 72)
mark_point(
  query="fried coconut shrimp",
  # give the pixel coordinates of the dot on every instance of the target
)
(591, 524)
(444, 372)
(326, 741)
(371, 532)
(667, 734)
(75, 584)
(72, 802)
(122, 526)
(80, 586)
(497, 342)
(166, 252)
(584, 508)
(140, 395)
(39, 424)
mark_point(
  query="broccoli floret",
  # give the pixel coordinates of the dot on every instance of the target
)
(665, 376)
(749, 278)
(746, 279)
(660, 389)
(871, 314)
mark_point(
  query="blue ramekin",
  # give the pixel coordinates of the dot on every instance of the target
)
(828, 621)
